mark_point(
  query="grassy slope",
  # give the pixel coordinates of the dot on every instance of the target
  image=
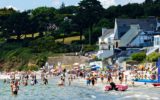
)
(23, 36)
(68, 40)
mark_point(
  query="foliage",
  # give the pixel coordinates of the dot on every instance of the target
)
(153, 57)
(96, 33)
(41, 60)
(138, 56)
(43, 44)
(27, 68)
(89, 13)
(43, 16)
(88, 48)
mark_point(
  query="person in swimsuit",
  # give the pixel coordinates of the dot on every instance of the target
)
(69, 79)
(45, 80)
(113, 85)
(14, 88)
(93, 80)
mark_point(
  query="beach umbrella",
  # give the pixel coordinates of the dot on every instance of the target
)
(75, 64)
(95, 67)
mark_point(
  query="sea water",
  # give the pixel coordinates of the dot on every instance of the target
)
(76, 92)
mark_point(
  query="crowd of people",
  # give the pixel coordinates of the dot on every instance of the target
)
(23, 79)
(106, 77)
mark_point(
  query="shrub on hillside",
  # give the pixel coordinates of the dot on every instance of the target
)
(41, 61)
(88, 48)
(138, 56)
(153, 57)
(43, 44)
(33, 68)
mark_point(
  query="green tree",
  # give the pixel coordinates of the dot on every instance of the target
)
(17, 24)
(89, 13)
(42, 17)
(66, 27)
(149, 1)
(138, 56)
(104, 23)
(4, 15)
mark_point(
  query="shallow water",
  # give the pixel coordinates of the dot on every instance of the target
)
(76, 92)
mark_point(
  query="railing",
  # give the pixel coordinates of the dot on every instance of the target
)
(151, 50)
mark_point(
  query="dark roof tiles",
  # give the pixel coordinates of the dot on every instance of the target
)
(123, 25)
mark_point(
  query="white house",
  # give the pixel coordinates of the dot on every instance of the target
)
(156, 46)
(134, 32)
(127, 35)
(106, 44)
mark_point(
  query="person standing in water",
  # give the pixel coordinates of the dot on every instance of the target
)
(102, 77)
(93, 80)
(45, 80)
(69, 79)
(35, 79)
(88, 79)
(14, 88)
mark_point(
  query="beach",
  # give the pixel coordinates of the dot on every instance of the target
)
(78, 90)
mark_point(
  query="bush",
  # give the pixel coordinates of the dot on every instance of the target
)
(27, 68)
(88, 48)
(153, 57)
(22, 68)
(33, 68)
(41, 61)
(43, 44)
(138, 56)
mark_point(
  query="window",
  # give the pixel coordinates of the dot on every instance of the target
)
(158, 41)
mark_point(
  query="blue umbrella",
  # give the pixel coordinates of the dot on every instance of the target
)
(95, 67)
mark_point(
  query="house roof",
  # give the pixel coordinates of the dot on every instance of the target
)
(108, 32)
(123, 25)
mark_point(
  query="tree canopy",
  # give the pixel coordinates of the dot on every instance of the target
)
(87, 15)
